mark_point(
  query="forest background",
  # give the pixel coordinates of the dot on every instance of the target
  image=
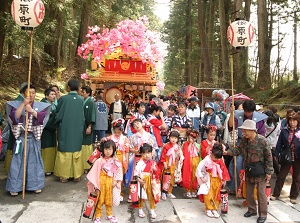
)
(195, 34)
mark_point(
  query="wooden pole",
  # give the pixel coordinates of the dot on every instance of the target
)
(26, 117)
(233, 125)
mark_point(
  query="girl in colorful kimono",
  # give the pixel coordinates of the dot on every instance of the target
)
(157, 123)
(105, 177)
(169, 159)
(136, 141)
(121, 141)
(211, 175)
(138, 113)
(207, 144)
(143, 172)
(191, 151)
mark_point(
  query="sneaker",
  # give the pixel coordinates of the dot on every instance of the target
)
(121, 198)
(14, 193)
(38, 191)
(273, 198)
(215, 213)
(293, 201)
(141, 213)
(210, 214)
(152, 214)
(194, 194)
(171, 196)
(163, 196)
(189, 195)
(97, 220)
(112, 219)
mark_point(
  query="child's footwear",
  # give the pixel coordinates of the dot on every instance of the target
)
(194, 194)
(171, 196)
(215, 213)
(188, 194)
(129, 199)
(141, 213)
(152, 214)
(97, 220)
(112, 219)
(210, 214)
(163, 196)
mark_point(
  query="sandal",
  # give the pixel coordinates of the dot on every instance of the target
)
(171, 196)
(63, 180)
(97, 220)
(112, 219)
(77, 179)
(188, 194)
(210, 214)
(141, 213)
(215, 213)
(153, 215)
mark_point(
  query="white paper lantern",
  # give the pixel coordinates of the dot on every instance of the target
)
(141, 87)
(28, 13)
(240, 33)
(134, 87)
(127, 87)
(147, 88)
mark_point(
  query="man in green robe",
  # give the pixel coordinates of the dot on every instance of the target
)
(70, 120)
(49, 140)
(90, 118)
(11, 138)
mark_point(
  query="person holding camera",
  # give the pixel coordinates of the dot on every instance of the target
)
(256, 152)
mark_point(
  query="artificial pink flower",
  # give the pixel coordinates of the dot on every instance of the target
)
(84, 76)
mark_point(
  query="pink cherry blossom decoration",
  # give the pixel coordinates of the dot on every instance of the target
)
(133, 38)
(160, 85)
(84, 76)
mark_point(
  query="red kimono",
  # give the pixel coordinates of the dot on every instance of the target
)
(187, 169)
(156, 123)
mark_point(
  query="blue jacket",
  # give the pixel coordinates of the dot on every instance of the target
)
(283, 142)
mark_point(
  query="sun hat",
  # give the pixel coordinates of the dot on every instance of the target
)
(248, 125)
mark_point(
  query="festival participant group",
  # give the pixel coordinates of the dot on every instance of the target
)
(153, 148)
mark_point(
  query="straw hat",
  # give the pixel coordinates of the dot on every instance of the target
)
(248, 125)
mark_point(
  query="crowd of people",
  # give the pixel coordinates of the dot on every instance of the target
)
(148, 141)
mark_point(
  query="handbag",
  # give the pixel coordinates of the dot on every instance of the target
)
(285, 155)
(255, 169)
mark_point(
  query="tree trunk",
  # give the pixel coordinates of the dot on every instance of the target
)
(223, 40)
(203, 39)
(211, 27)
(295, 73)
(54, 48)
(244, 84)
(3, 9)
(188, 43)
(85, 19)
(264, 46)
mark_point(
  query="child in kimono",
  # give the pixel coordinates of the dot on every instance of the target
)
(157, 123)
(106, 176)
(121, 141)
(191, 151)
(211, 175)
(169, 159)
(207, 144)
(143, 172)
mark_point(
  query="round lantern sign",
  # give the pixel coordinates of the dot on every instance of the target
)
(28, 13)
(240, 33)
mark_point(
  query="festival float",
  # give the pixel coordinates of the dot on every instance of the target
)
(126, 58)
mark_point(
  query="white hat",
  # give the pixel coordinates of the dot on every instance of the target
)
(258, 107)
(248, 125)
